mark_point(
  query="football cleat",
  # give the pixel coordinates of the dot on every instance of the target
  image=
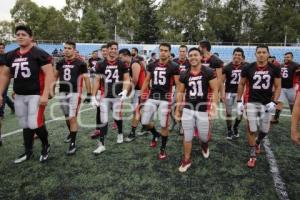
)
(95, 134)
(99, 149)
(236, 133)
(162, 155)
(44, 154)
(130, 137)
(251, 162)
(185, 165)
(143, 132)
(23, 157)
(229, 135)
(153, 143)
(72, 149)
(120, 139)
(205, 150)
(67, 139)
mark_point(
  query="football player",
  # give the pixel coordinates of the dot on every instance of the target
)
(260, 77)
(194, 85)
(32, 71)
(70, 72)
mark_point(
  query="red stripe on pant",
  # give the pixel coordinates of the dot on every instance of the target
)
(40, 116)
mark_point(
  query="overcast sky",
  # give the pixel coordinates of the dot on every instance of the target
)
(6, 5)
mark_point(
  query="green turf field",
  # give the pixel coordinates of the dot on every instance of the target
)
(132, 170)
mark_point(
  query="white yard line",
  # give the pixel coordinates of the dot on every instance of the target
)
(48, 121)
(278, 182)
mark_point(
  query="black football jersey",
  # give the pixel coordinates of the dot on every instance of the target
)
(92, 63)
(183, 65)
(213, 62)
(112, 73)
(288, 74)
(162, 79)
(197, 88)
(70, 71)
(29, 78)
(260, 82)
(233, 75)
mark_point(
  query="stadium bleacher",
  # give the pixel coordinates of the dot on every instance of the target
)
(225, 52)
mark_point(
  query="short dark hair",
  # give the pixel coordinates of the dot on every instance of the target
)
(183, 46)
(173, 55)
(103, 47)
(289, 53)
(153, 54)
(25, 28)
(238, 49)
(71, 43)
(96, 51)
(136, 49)
(111, 43)
(125, 52)
(165, 44)
(263, 46)
(2, 44)
(196, 49)
(206, 44)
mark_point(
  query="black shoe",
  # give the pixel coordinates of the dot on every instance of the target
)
(67, 139)
(236, 133)
(23, 157)
(44, 154)
(229, 135)
(130, 137)
(72, 149)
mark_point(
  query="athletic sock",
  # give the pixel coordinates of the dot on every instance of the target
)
(120, 126)
(43, 134)
(73, 136)
(277, 114)
(164, 140)
(260, 137)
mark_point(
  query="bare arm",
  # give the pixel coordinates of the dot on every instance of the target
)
(136, 68)
(87, 83)
(49, 79)
(96, 85)
(4, 80)
(241, 88)
(213, 84)
(176, 79)
(219, 78)
(126, 81)
(146, 83)
(222, 89)
(277, 86)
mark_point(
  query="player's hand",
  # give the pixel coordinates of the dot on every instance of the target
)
(271, 107)
(223, 98)
(240, 108)
(94, 102)
(88, 98)
(13, 95)
(43, 100)
(295, 136)
(123, 95)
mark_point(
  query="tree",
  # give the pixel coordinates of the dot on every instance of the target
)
(92, 28)
(6, 30)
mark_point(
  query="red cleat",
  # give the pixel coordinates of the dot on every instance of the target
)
(162, 155)
(96, 134)
(153, 144)
(251, 162)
